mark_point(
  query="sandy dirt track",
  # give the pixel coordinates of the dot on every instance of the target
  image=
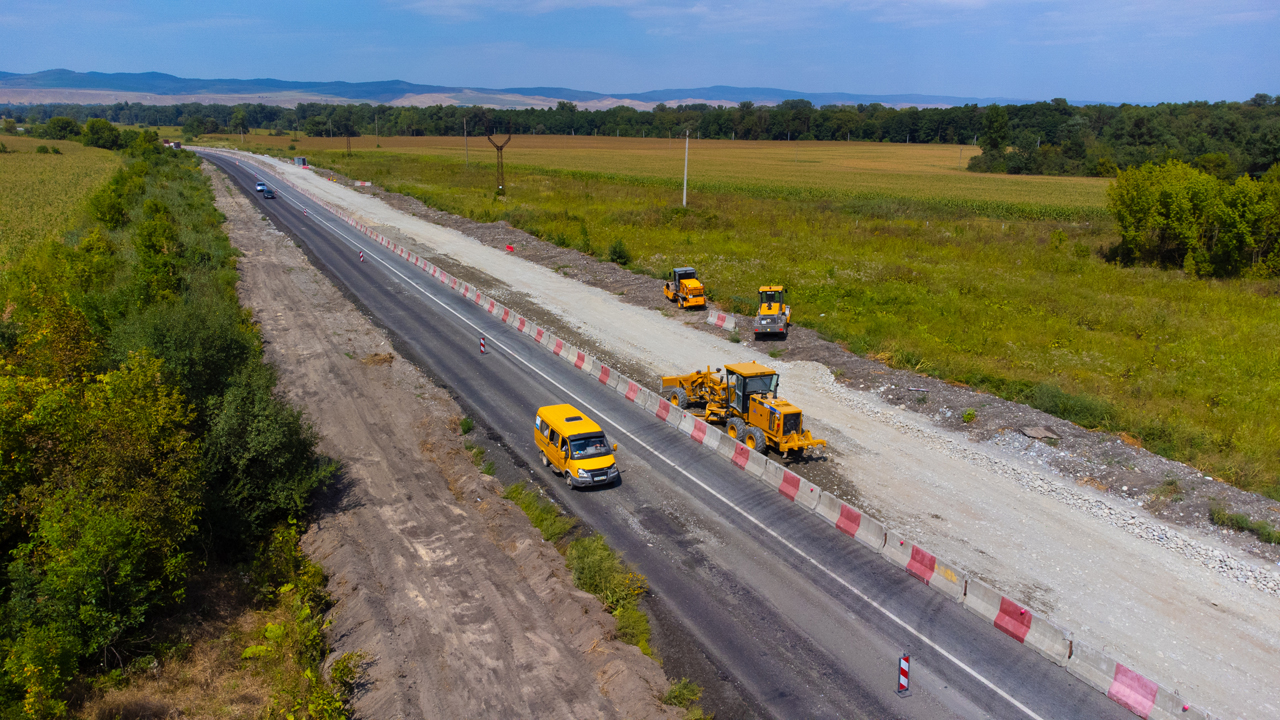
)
(464, 608)
(995, 512)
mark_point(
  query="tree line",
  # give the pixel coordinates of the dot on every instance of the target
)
(1053, 137)
(141, 435)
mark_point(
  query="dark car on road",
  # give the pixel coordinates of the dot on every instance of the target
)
(268, 194)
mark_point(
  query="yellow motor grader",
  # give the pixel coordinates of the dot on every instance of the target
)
(745, 399)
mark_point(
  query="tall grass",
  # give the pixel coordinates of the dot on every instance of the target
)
(44, 193)
(1026, 310)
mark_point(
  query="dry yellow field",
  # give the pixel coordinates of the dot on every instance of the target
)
(43, 194)
(914, 171)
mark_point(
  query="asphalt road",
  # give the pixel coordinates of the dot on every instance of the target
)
(806, 622)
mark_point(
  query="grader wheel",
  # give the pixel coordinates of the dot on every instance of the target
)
(679, 398)
(736, 428)
(754, 439)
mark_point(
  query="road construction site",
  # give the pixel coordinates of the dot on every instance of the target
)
(1152, 594)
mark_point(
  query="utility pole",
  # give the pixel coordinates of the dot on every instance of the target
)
(466, 151)
(501, 180)
(684, 197)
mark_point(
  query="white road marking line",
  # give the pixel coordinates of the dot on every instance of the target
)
(861, 595)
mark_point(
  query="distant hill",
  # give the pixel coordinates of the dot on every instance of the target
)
(153, 88)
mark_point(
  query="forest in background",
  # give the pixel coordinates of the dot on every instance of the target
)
(1053, 138)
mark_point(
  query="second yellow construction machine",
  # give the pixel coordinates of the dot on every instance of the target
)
(745, 399)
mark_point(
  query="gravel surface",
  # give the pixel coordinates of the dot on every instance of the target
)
(1082, 532)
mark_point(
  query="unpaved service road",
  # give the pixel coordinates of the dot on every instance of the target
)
(804, 622)
(997, 514)
(466, 611)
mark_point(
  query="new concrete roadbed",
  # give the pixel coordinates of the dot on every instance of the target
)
(806, 623)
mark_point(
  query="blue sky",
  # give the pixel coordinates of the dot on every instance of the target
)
(1146, 51)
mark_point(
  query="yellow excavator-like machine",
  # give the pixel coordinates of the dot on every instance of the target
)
(745, 399)
(774, 315)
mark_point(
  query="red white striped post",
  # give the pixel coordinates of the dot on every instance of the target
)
(361, 256)
(482, 351)
(904, 676)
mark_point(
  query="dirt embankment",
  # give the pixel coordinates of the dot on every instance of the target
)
(465, 611)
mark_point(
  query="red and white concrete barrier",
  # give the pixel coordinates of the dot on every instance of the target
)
(721, 320)
(924, 566)
(1015, 620)
(851, 521)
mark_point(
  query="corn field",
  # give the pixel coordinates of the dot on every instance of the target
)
(45, 193)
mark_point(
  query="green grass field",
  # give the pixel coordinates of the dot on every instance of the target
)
(43, 193)
(871, 172)
(1025, 309)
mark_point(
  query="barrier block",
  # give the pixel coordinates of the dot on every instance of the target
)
(687, 422)
(897, 549)
(630, 390)
(540, 337)
(1048, 639)
(711, 438)
(557, 346)
(604, 375)
(828, 507)
(700, 431)
(721, 320)
(921, 564)
(1170, 705)
(674, 414)
(808, 494)
(948, 580)
(506, 314)
(790, 484)
(1133, 692)
(662, 410)
(520, 324)
(1094, 667)
(1013, 620)
(733, 451)
(755, 463)
(861, 527)
(773, 475)
(1017, 622)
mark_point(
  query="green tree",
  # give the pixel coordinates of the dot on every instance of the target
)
(239, 122)
(1177, 216)
(100, 134)
(995, 130)
(61, 128)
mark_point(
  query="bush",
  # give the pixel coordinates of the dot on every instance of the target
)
(1174, 215)
(1218, 515)
(683, 694)
(545, 516)
(618, 253)
(259, 458)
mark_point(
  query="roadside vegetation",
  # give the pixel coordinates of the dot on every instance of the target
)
(1029, 310)
(599, 570)
(152, 478)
